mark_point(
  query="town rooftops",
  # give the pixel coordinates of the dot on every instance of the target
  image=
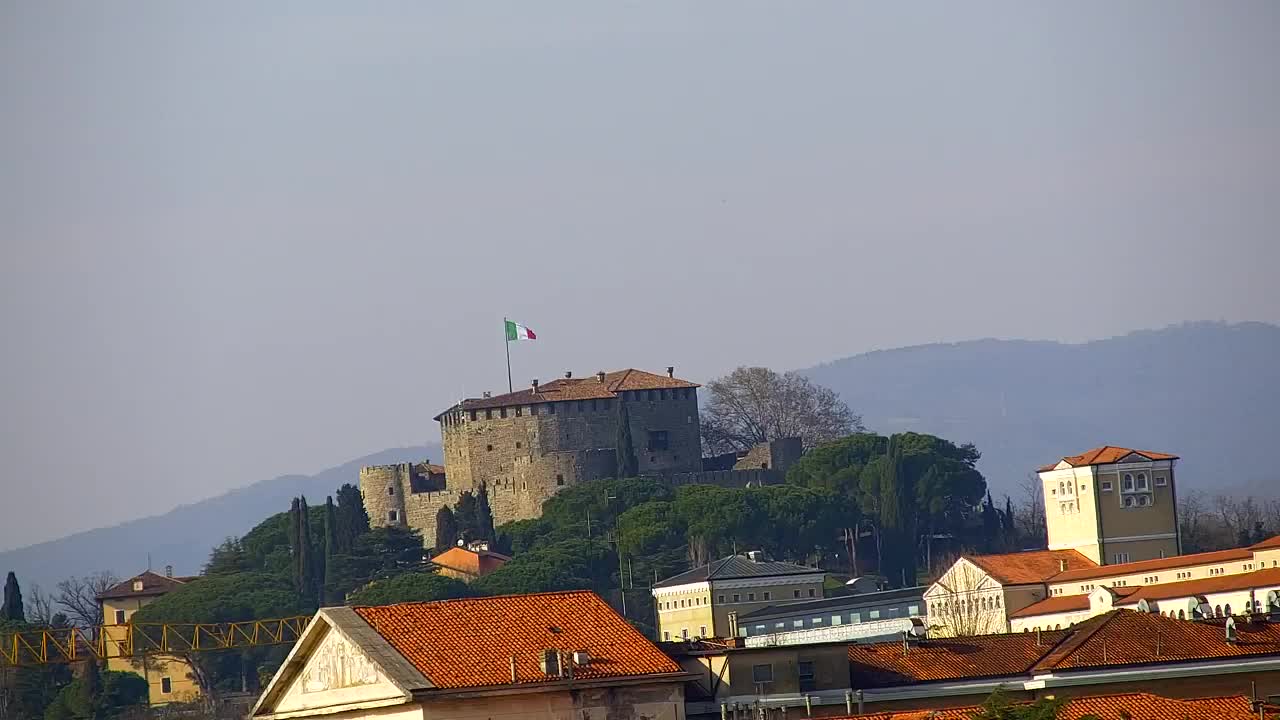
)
(1106, 455)
(1025, 568)
(737, 567)
(147, 584)
(471, 643)
(1119, 638)
(871, 599)
(590, 387)
(1141, 566)
(1130, 706)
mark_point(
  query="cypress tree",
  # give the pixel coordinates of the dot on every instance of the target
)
(330, 549)
(295, 546)
(465, 513)
(353, 520)
(890, 518)
(12, 608)
(990, 524)
(446, 529)
(307, 558)
(484, 515)
(628, 466)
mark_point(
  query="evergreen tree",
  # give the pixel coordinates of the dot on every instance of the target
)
(465, 512)
(990, 525)
(229, 557)
(897, 527)
(330, 551)
(484, 515)
(307, 559)
(295, 547)
(446, 529)
(12, 608)
(353, 520)
(628, 466)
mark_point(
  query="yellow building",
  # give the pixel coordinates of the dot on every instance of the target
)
(699, 603)
(1112, 504)
(169, 678)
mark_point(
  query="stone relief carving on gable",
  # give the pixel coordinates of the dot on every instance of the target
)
(336, 664)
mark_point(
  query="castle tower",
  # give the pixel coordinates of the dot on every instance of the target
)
(1113, 504)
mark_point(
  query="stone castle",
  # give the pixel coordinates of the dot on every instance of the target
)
(525, 446)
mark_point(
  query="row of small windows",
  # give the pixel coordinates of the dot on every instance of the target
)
(1134, 483)
(989, 602)
(570, 406)
(817, 621)
(684, 633)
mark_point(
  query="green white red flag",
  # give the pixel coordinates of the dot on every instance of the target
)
(516, 331)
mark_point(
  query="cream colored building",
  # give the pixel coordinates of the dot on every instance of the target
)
(546, 656)
(698, 603)
(976, 595)
(169, 679)
(1114, 505)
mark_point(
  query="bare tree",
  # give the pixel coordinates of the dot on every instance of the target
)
(753, 405)
(79, 596)
(1033, 521)
(39, 606)
(964, 601)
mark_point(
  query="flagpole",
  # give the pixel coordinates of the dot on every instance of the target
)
(507, 343)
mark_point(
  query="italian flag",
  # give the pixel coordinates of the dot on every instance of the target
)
(516, 331)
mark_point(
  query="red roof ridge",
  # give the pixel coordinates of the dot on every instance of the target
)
(1176, 561)
(1080, 634)
(483, 598)
(1106, 455)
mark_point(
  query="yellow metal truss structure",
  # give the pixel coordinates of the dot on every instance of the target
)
(67, 645)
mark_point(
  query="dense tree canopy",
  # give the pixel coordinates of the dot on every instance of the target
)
(410, 587)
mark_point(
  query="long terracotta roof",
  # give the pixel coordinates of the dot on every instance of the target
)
(585, 388)
(1169, 563)
(981, 656)
(1030, 567)
(1130, 706)
(1270, 543)
(470, 643)
(152, 584)
(1267, 578)
(1106, 455)
(1054, 605)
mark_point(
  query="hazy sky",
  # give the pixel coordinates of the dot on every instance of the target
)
(245, 239)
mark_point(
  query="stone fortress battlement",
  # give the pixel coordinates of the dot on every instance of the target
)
(527, 445)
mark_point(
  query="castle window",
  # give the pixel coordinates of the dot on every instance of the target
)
(551, 408)
(658, 440)
(473, 414)
(502, 412)
(533, 409)
(559, 479)
(593, 406)
(393, 516)
(488, 414)
(519, 411)
(489, 448)
(518, 445)
(766, 595)
(737, 597)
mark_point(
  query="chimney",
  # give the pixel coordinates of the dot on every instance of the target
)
(600, 376)
(671, 371)
(568, 374)
(487, 394)
(535, 384)
(168, 571)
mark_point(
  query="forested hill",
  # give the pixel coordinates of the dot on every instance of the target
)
(184, 536)
(1209, 392)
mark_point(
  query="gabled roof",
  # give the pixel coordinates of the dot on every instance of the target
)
(1169, 563)
(1106, 455)
(153, 584)
(470, 643)
(1134, 706)
(1205, 586)
(736, 567)
(981, 656)
(471, 562)
(585, 388)
(1026, 568)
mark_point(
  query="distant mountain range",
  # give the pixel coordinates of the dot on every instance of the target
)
(184, 536)
(1209, 392)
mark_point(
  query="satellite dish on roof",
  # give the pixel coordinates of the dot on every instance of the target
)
(1230, 629)
(1144, 606)
(1273, 601)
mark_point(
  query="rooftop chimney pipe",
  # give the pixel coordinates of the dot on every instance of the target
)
(671, 371)
(568, 374)
(600, 376)
(535, 384)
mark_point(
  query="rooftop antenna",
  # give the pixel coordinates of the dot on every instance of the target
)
(148, 562)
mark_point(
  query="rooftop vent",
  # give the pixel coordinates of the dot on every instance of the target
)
(1230, 630)
(535, 384)
(755, 555)
(487, 394)
(671, 371)
(168, 571)
(600, 376)
(568, 374)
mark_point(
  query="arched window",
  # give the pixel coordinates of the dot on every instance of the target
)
(1128, 482)
(1217, 611)
(1182, 615)
(1057, 627)
(1227, 610)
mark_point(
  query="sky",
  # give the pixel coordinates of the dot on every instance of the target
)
(242, 239)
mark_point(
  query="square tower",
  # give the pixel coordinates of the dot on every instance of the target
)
(1113, 505)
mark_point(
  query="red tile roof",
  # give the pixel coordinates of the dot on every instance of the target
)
(1106, 455)
(585, 388)
(1030, 567)
(1134, 706)
(884, 664)
(469, 643)
(471, 562)
(1269, 544)
(1052, 605)
(1170, 563)
(1223, 583)
(152, 584)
